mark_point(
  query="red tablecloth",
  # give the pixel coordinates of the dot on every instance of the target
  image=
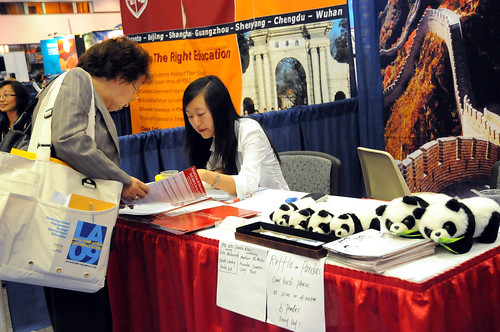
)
(164, 282)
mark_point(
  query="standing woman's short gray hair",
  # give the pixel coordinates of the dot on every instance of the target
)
(117, 58)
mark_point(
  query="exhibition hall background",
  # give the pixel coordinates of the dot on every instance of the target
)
(335, 127)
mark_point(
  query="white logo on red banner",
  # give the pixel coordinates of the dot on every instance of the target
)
(136, 7)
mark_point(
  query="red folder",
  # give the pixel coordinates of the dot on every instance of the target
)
(197, 220)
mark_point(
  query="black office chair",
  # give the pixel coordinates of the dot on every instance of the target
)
(311, 171)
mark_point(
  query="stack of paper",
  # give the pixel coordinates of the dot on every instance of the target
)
(376, 251)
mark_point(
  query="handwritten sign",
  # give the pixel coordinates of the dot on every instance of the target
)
(253, 280)
(241, 279)
(295, 292)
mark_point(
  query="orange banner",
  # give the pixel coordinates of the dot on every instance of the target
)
(175, 65)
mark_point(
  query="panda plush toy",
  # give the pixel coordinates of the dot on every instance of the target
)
(281, 215)
(454, 224)
(397, 216)
(299, 219)
(319, 221)
(349, 223)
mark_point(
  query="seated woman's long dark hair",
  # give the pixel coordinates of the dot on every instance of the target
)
(224, 115)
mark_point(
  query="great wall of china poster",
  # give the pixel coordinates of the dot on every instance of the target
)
(440, 66)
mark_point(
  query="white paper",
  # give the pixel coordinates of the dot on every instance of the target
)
(241, 279)
(230, 223)
(59, 198)
(295, 292)
(220, 195)
(224, 196)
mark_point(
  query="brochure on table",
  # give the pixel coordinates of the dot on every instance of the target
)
(152, 209)
(258, 282)
(168, 194)
(184, 186)
(174, 192)
(155, 208)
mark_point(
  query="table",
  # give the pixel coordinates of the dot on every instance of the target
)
(164, 282)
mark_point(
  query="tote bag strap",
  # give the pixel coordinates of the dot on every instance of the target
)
(41, 137)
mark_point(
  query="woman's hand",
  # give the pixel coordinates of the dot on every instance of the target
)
(226, 182)
(136, 189)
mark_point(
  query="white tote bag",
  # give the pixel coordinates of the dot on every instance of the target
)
(45, 243)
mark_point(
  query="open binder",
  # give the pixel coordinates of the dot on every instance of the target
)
(376, 251)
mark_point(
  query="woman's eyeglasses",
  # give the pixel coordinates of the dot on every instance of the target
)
(7, 95)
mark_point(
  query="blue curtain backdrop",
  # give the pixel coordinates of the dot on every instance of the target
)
(330, 127)
(122, 121)
(366, 31)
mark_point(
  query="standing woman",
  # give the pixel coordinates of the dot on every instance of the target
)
(14, 122)
(231, 153)
(113, 70)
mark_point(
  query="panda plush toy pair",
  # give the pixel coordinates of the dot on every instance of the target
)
(342, 223)
(397, 215)
(451, 222)
(314, 215)
(455, 223)
(296, 212)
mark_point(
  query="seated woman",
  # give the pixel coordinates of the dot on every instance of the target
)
(231, 153)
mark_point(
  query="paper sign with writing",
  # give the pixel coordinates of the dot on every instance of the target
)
(241, 279)
(295, 292)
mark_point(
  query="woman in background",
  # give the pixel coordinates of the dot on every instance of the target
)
(14, 122)
(231, 153)
(113, 72)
